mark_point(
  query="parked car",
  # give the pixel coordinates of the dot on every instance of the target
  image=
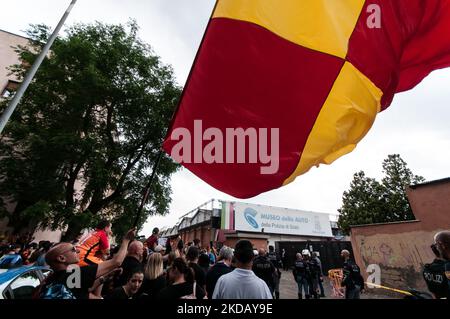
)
(10, 261)
(20, 283)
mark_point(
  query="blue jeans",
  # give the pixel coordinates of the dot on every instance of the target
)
(303, 285)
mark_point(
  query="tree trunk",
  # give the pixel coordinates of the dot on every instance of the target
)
(16, 221)
(74, 228)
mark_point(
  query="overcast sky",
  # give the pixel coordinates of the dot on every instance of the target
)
(416, 125)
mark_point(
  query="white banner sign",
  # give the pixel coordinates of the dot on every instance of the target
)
(162, 242)
(277, 220)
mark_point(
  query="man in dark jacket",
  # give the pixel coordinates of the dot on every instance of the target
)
(353, 281)
(314, 270)
(264, 269)
(222, 267)
(192, 258)
(437, 274)
(132, 261)
(301, 276)
(319, 263)
(277, 276)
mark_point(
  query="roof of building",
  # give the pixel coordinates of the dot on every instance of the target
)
(435, 182)
(14, 34)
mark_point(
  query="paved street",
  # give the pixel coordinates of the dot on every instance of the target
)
(288, 289)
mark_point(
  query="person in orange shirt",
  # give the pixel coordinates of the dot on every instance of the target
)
(94, 249)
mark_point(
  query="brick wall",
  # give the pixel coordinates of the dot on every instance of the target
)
(402, 249)
(257, 242)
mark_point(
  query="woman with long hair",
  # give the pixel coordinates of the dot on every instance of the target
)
(154, 277)
(180, 247)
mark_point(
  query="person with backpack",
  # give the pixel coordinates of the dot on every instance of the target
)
(352, 279)
(68, 280)
(183, 284)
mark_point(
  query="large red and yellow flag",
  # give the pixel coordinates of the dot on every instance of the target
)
(319, 71)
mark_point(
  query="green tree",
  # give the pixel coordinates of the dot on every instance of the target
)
(369, 201)
(83, 141)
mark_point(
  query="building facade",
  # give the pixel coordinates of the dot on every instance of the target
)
(8, 84)
(224, 223)
(8, 57)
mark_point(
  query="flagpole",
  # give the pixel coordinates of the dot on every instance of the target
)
(32, 72)
(147, 189)
(155, 166)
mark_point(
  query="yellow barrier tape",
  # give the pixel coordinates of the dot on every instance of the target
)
(369, 284)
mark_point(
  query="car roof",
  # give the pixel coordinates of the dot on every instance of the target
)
(14, 272)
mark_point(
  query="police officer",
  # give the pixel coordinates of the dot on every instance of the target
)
(284, 260)
(301, 276)
(264, 269)
(277, 275)
(314, 270)
(437, 274)
(319, 263)
(352, 279)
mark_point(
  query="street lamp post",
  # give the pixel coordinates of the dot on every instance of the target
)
(31, 73)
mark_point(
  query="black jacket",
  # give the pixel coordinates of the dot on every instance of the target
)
(352, 275)
(264, 269)
(436, 279)
(275, 261)
(200, 274)
(128, 265)
(213, 275)
(301, 269)
(314, 268)
(151, 288)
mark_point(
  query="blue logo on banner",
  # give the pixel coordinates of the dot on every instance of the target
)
(249, 215)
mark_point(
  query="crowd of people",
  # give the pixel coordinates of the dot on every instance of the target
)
(308, 275)
(171, 269)
(148, 270)
(20, 250)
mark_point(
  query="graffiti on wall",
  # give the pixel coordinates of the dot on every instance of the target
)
(403, 250)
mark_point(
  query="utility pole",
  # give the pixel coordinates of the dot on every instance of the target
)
(32, 72)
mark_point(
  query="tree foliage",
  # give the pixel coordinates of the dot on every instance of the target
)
(83, 141)
(369, 201)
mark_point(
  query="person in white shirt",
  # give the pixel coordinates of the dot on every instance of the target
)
(242, 283)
